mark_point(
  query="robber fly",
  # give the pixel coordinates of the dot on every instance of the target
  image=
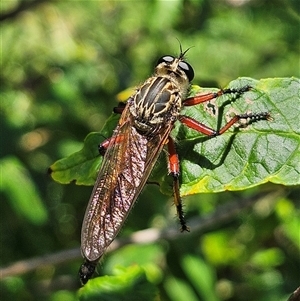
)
(129, 155)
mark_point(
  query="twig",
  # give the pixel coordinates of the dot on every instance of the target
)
(223, 214)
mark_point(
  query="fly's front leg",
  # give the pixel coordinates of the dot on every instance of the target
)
(191, 101)
(120, 108)
(174, 171)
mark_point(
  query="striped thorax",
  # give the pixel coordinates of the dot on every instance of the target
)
(159, 99)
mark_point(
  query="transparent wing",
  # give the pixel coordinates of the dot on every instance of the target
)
(126, 166)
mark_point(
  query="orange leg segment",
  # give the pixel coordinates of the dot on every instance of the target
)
(174, 171)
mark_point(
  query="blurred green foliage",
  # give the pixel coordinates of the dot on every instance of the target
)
(62, 63)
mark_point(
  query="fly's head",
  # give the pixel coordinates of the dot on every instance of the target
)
(176, 68)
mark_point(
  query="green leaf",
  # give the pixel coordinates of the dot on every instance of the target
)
(135, 254)
(266, 259)
(131, 283)
(202, 276)
(262, 152)
(82, 166)
(63, 295)
(243, 157)
(178, 290)
(25, 201)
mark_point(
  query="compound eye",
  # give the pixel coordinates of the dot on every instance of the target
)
(165, 59)
(188, 70)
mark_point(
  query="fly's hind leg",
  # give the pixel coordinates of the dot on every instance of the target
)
(102, 147)
(202, 128)
(174, 171)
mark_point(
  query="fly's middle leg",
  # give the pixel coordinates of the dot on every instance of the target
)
(174, 171)
(102, 147)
